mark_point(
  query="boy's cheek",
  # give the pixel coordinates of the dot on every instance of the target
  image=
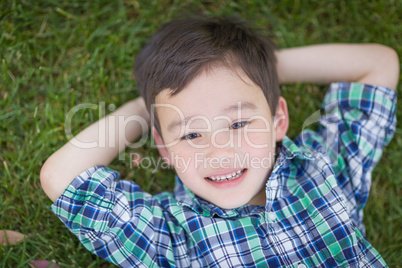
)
(258, 140)
(182, 160)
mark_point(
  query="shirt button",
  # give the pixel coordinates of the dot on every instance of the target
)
(301, 265)
(272, 215)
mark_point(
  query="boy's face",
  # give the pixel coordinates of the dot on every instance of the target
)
(220, 135)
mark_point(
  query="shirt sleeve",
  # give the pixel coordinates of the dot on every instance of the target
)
(115, 219)
(358, 121)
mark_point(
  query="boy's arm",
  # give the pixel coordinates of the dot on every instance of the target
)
(70, 160)
(365, 63)
(358, 120)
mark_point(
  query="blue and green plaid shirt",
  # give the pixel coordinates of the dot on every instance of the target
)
(312, 217)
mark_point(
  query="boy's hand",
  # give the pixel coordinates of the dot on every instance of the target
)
(364, 63)
(70, 160)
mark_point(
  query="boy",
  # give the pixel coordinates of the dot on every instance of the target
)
(246, 195)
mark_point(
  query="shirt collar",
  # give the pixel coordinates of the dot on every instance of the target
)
(291, 150)
(185, 197)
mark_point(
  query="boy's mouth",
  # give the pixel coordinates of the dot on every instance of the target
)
(231, 176)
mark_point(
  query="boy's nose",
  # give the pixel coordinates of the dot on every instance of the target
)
(222, 145)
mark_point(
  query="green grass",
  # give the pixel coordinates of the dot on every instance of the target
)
(57, 54)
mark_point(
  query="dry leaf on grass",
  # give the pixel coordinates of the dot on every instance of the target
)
(43, 264)
(8, 237)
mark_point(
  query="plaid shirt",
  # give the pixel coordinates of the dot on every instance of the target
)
(312, 217)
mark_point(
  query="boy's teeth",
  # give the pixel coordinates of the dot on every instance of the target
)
(231, 176)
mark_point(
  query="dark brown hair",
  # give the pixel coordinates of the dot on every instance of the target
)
(183, 48)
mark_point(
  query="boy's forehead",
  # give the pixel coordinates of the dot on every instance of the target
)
(204, 76)
(191, 110)
(205, 87)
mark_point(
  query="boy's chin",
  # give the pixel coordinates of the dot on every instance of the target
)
(241, 195)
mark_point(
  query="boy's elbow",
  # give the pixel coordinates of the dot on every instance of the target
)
(47, 179)
(386, 72)
(44, 177)
(393, 59)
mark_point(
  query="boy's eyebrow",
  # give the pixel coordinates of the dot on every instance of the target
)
(232, 108)
(243, 105)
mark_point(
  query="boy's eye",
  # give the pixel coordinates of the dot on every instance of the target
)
(239, 125)
(190, 136)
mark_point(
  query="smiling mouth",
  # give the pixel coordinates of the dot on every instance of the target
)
(232, 176)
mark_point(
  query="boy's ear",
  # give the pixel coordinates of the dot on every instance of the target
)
(161, 146)
(281, 119)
